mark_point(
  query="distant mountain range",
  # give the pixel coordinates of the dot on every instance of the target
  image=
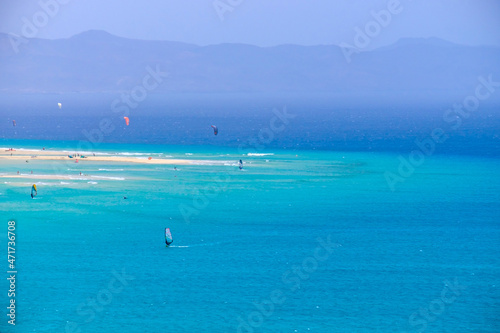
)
(96, 61)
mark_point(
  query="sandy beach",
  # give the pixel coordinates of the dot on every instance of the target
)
(27, 155)
(60, 177)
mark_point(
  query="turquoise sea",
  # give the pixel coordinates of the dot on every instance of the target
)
(297, 241)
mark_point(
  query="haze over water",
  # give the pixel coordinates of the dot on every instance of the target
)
(323, 167)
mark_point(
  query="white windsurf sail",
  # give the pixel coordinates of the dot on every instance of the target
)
(168, 237)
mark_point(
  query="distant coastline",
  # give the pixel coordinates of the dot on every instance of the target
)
(96, 61)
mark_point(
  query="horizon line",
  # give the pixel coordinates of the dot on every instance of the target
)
(104, 32)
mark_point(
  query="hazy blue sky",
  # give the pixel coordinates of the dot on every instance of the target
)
(259, 22)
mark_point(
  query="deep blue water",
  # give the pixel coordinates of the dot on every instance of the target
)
(252, 122)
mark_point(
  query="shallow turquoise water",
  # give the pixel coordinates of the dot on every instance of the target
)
(247, 238)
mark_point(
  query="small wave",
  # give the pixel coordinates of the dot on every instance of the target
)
(92, 183)
(82, 152)
(209, 162)
(189, 154)
(25, 149)
(111, 169)
(196, 245)
(259, 154)
(111, 178)
(138, 154)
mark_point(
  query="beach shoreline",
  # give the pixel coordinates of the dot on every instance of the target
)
(59, 155)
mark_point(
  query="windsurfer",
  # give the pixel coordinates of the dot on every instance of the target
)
(168, 237)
